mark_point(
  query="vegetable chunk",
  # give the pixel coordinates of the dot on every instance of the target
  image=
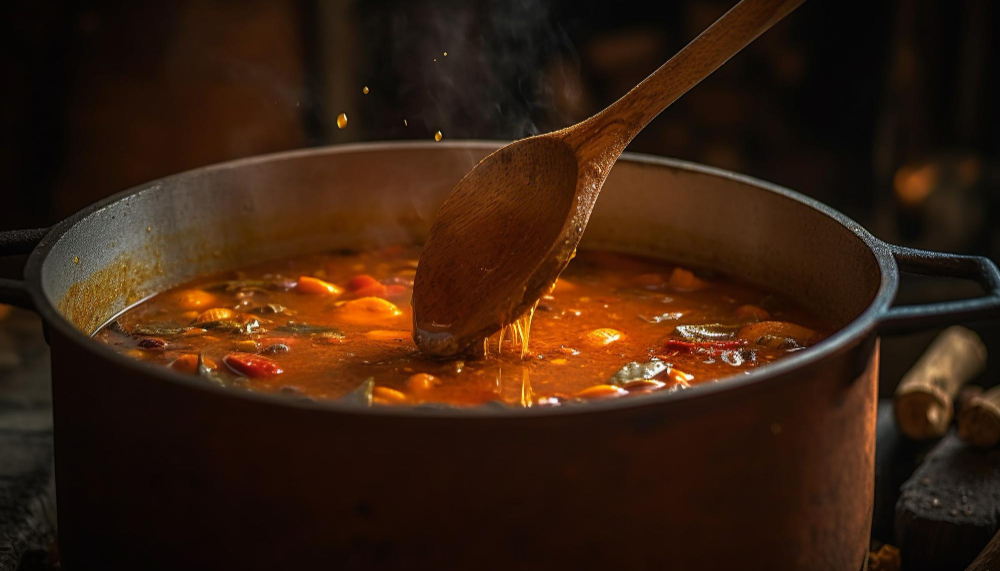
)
(252, 365)
(316, 286)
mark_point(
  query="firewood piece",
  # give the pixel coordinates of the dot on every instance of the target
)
(948, 510)
(979, 421)
(989, 558)
(965, 397)
(896, 457)
(924, 397)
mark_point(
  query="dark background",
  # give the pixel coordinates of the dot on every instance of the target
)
(884, 110)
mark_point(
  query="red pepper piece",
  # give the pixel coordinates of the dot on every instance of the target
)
(252, 365)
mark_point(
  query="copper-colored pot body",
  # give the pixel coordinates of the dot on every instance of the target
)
(771, 470)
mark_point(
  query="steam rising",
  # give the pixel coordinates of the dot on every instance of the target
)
(509, 64)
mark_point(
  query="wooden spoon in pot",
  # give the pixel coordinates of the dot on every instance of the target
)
(512, 224)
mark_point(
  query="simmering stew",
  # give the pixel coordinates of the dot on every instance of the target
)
(337, 326)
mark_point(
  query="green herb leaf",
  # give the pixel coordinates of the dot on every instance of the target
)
(707, 332)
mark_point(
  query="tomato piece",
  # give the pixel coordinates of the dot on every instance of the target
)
(361, 281)
(252, 365)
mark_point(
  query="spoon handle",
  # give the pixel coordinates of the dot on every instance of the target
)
(623, 119)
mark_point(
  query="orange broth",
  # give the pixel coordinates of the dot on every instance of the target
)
(337, 326)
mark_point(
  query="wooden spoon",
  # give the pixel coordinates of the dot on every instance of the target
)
(512, 224)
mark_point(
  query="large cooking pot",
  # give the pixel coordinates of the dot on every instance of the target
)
(768, 470)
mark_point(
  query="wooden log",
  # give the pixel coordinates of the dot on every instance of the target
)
(948, 510)
(968, 394)
(989, 558)
(979, 421)
(924, 398)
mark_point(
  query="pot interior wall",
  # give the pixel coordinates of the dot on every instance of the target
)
(221, 217)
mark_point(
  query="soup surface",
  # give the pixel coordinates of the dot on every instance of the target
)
(337, 326)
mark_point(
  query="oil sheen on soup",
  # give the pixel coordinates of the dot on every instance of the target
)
(338, 326)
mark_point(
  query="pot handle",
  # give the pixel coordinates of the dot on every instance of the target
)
(906, 318)
(16, 243)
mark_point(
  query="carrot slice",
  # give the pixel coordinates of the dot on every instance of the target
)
(367, 310)
(252, 365)
(385, 395)
(315, 286)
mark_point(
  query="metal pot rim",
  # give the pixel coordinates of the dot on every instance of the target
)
(847, 336)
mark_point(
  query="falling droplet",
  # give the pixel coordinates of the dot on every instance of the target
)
(405, 124)
(445, 54)
(149, 228)
(364, 90)
(342, 120)
(435, 59)
(438, 136)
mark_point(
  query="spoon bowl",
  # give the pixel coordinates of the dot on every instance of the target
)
(516, 204)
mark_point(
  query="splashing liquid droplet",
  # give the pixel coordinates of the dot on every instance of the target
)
(438, 136)
(342, 120)
(405, 124)
(364, 90)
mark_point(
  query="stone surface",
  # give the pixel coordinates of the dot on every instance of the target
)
(950, 508)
